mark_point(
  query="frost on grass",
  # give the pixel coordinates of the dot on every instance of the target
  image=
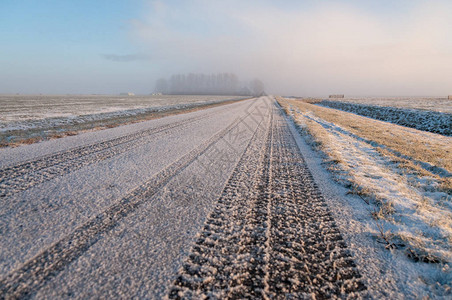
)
(420, 103)
(432, 121)
(412, 214)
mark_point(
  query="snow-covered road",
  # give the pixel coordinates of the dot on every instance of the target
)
(216, 202)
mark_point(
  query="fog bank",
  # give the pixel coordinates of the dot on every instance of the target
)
(314, 49)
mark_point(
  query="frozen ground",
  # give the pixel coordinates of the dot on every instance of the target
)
(32, 118)
(427, 120)
(168, 167)
(15, 109)
(404, 211)
(214, 203)
(423, 103)
(389, 274)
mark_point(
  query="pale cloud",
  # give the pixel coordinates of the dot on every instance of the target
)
(125, 58)
(318, 50)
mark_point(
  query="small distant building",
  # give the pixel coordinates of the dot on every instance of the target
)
(156, 94)
(450, 97)
(127, 94)
(336, 96)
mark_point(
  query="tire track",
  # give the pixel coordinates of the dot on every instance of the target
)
(270, 236)
(38, 270)
(23, 176)
(219, 252)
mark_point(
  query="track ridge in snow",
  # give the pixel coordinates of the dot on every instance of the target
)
(271, 234)
(20, 177)
(34, 273)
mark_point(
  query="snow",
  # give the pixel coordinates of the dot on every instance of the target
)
(44, 112)
(149, 243)
(439, 104)
(391, 273)
(141, 254)
(432, 121)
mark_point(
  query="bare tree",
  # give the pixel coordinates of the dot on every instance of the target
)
(202, 84)
(257, 87)
(161, 86)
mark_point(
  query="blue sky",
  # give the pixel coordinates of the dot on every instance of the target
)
(51, 45)
(296, 47)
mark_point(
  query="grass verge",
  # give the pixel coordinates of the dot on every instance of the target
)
(403, 174)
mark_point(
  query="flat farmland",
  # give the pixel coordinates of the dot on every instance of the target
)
(439, 104)
(426, 114)
(31, 118)
(260, 198)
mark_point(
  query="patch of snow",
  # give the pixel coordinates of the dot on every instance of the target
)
(422, 103)
(431, 121)
(388, 273)
(39, 115)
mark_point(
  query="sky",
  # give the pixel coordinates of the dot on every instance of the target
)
(302, 48)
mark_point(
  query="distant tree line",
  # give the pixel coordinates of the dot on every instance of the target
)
(213, 84)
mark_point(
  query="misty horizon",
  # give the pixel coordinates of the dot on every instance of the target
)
(298, 48)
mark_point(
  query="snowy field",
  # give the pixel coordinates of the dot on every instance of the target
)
(423, 103)
(415, 115)
(228, 202)
(37, 117)
(22, 108)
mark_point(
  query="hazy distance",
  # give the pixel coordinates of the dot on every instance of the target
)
(311, 48)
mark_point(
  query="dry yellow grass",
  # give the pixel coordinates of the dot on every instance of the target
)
(396, 201)
(421, 146)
